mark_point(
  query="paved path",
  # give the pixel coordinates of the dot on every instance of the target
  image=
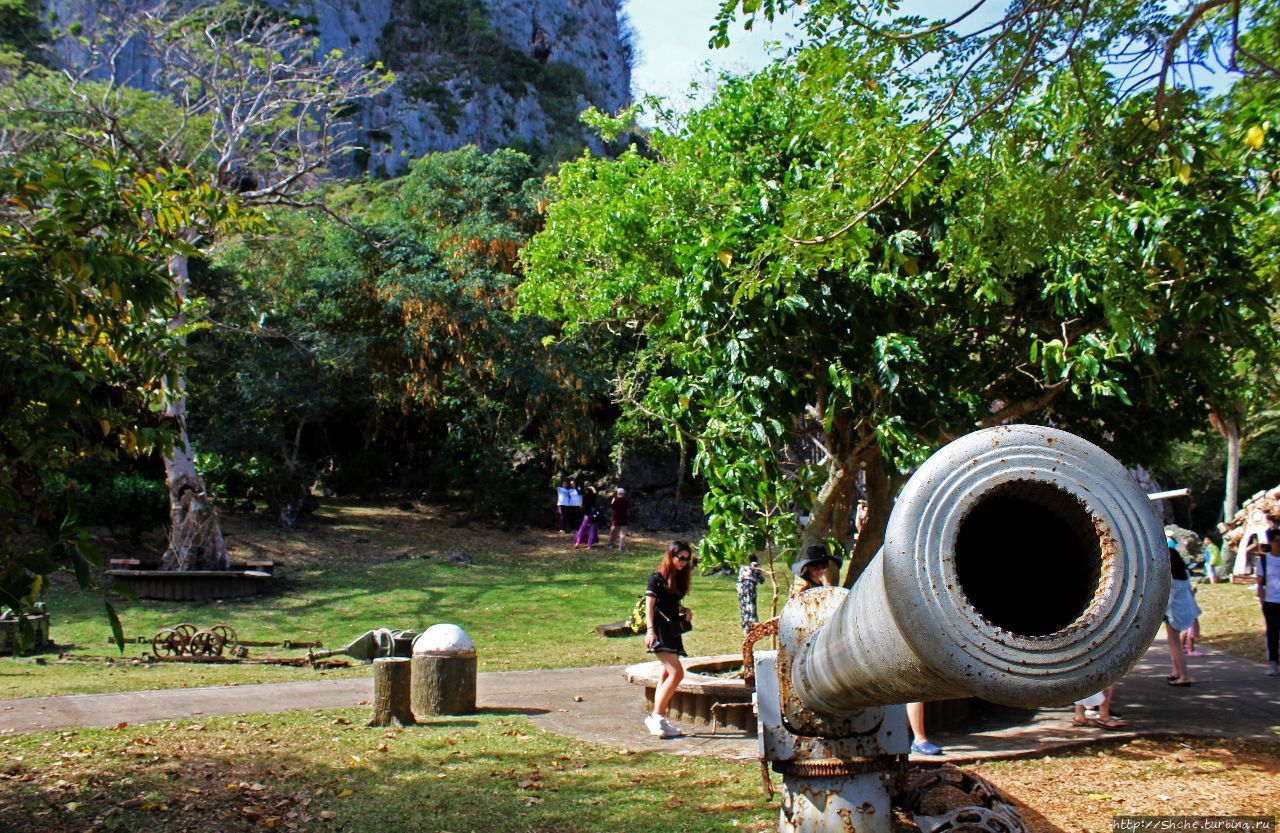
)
(1231, 698)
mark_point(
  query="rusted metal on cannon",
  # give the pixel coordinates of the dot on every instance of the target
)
(1021, 564)
(370, 645)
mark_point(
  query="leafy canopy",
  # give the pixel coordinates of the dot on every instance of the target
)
(990, 286)
(85, 346)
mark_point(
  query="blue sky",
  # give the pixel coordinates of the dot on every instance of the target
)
(672, 39)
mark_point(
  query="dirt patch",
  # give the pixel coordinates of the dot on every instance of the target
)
(371, 532)
(1084, 790)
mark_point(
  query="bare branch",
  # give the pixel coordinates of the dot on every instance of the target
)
(1176, 40)
(965, 124)
(1019, 409)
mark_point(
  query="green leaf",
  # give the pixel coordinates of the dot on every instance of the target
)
(117, 630)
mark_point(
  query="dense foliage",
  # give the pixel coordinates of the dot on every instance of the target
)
(85, 346)
(990, 286)
(381, 350)
(890, 237)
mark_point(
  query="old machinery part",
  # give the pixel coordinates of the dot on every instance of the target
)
(754, 634)
(228, 635)
(947, 778)
(205, 644)
(168, 643)
(1001, 819)
(1021, 564)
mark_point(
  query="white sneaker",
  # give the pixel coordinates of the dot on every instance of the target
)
(670, 729)
(654, 723)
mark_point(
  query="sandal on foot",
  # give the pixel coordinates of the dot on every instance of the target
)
(1110, 723)
(1087, 722)
(1178, 682)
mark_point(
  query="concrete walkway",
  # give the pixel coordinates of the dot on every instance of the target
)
(1231, 698)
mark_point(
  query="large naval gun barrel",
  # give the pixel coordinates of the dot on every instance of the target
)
(1021, 564)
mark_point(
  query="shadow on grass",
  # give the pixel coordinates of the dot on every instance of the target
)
(1247, 644)
(491, 775)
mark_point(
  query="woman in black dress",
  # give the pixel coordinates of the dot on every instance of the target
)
(665, 620)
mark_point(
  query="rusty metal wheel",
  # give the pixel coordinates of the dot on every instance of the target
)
(168, 643)
(1001, 819)
(205, 644)
(988, 812)
(227, 634)
(976, 789)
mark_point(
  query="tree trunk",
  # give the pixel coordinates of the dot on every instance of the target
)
(1231, 501)
(1229, 428)
(195, 536)
(391, 685)
(882, 488)
(829, 516)
(444, 684)
(684, 464)
(837, 499)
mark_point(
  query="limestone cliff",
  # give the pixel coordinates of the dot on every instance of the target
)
(486, 72)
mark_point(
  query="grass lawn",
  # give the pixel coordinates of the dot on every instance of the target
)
(324, 771)
(494, 772)
(1231, 620)
(529, 601)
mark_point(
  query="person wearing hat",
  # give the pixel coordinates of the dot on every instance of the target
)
(811, 569)
(619, 507)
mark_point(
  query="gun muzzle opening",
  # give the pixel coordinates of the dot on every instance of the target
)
(1028, 557)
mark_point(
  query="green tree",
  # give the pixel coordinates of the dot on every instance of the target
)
(989, 288)
(1248, 405)
(85, 346)
(386, 344)
(964, 76)
(244, 96)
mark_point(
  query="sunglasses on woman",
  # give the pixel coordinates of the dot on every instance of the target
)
(686, 557)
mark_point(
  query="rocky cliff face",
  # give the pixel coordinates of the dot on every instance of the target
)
(501, 72)
(491, 73)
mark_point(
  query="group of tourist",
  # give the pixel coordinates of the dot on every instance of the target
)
(1182, 626)
(666, 620)
(578, 510)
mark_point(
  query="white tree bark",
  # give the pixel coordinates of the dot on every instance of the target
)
(1231, 500)
(195, 536)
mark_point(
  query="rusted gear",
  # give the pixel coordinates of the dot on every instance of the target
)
(978, 790)
(186, 629)
(989, 813)
(205, 644)
(834, 768)
(168, 642)
(1001, 819)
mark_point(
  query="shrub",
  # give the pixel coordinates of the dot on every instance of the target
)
(131, 502)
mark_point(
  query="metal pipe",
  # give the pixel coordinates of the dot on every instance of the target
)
(1021, 564)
